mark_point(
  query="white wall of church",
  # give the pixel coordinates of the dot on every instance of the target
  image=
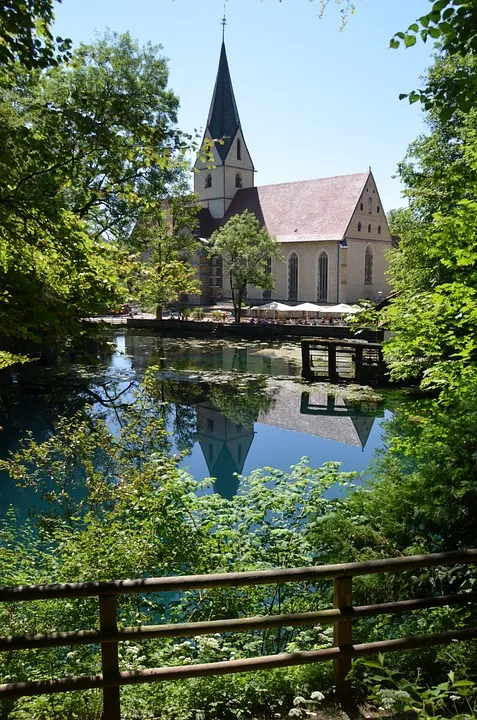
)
(347, 286)
(356, 288)
(308, 253)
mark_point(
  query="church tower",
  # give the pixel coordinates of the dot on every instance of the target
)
(217, 181)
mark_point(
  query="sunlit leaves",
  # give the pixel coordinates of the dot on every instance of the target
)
(246, 249)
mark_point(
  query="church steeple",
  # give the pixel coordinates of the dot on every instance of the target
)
(232, 168)
(223, 121)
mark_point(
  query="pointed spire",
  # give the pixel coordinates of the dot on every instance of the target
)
(223, 121)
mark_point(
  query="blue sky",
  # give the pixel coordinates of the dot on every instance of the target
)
(313, 101)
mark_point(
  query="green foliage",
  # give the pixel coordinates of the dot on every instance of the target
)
(119, 507)
(246, 249)
(87, 149)
(7, 359)
(452, 23)
(393, 693)
(166, 240)
(433, 316)
(25, 34)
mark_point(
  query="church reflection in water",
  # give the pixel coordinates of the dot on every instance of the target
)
(228, 395)
(226, 443)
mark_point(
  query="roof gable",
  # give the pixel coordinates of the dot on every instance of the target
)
(307, 210)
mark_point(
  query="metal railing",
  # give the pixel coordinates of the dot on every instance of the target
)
(341, 617)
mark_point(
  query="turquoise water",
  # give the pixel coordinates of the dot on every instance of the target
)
(231, 407)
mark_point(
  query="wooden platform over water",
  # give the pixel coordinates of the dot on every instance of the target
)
(334, 360)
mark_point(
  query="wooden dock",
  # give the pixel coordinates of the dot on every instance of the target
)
(335, 361)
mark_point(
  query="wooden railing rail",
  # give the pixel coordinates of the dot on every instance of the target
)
(341, 617)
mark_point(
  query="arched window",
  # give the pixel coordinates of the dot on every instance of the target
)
(379, 229)
(368, 265)
(239, 149)
(359, 227)
(370, 205)
(322, 277)
(208, 181)
(361, 206)
(369, 227)
(238, 180)
(293, 277)
(377, 209)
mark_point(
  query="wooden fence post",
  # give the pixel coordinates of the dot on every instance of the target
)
(305, 360)
(342, 634)
(332, 371)
(109, 658)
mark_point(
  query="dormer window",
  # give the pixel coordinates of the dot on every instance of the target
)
(238, 180)
(239, 150)
(208, 181)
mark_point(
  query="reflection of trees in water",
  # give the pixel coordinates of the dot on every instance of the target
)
(242, 402)
(218, 413)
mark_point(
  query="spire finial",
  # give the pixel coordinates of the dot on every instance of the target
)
(224, 23)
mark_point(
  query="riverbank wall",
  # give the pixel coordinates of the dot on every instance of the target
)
(247, 331)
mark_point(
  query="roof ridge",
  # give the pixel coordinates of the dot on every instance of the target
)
(311, 180)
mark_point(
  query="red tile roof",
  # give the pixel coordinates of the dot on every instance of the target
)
(307, 210)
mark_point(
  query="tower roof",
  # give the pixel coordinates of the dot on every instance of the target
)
(223, 121)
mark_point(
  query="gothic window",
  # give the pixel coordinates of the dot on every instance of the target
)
(322, 277)
(293, 277)
(369, 227)
(239, 149)
(379, 229)
(368, 266)
(377, 209)
(359, 227)
(361, 206)
(208, 181)
(217, 270)
(238, 180)
(370, 205)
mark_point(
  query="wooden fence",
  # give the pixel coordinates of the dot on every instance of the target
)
(341, 617)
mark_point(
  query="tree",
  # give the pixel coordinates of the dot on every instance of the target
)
(86, 149)
(433, 316)
(453, 24)
(25, 34)
(165, 238)
(246, 249)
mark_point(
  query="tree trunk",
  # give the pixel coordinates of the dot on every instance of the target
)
(237, 300)
(159, 312)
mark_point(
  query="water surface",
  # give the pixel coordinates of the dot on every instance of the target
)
(230, 406)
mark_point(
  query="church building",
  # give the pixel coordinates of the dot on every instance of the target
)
(332, 232)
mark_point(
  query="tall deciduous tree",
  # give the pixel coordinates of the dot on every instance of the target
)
(246, 249)
(86, 148)
(434, 315)
(165, 238)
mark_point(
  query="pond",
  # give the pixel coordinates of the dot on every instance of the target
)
(230, 406)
